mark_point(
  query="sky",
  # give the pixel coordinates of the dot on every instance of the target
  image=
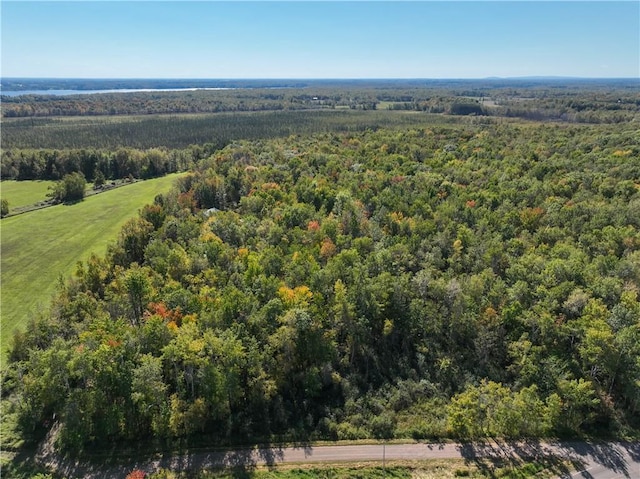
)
(326, 39)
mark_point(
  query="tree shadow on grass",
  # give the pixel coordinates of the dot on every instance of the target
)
(491, 455)
(22, 466)
(554, 456)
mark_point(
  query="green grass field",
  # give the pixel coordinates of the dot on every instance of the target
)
(23, 193)
(36, 248)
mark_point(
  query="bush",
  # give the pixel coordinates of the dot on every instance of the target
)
(348, 431)
(4, 208)
(384, 425)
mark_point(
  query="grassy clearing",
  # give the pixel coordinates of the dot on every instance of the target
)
(428, 469)
(23, 193)
(39, 247)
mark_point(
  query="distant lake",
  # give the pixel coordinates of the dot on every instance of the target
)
(93, 92)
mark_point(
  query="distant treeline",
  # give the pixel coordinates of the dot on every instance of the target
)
(585, 103)
(142, 103)
(180, 131)
(48, 164)
(201, 101)
(49, 149)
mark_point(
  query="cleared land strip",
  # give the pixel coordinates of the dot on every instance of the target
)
(592, 460)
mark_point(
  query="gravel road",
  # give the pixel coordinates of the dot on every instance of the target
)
(591, 460)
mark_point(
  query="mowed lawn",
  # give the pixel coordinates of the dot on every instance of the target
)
(37, 248)
(23, 193)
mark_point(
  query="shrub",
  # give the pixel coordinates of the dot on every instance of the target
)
(136, 474)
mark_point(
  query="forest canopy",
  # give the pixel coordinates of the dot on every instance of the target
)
(441, 281)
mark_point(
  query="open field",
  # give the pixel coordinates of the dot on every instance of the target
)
(39, 247)
(23, 193)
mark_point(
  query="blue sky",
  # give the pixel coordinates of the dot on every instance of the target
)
(205, 39)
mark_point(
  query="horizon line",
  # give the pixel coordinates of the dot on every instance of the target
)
(526, 77)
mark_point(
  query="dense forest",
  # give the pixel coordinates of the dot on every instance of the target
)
(183, 131)
(54, 164)
(147, 134)
(455, 280)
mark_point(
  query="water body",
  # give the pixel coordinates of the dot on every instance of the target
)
(93, 92)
